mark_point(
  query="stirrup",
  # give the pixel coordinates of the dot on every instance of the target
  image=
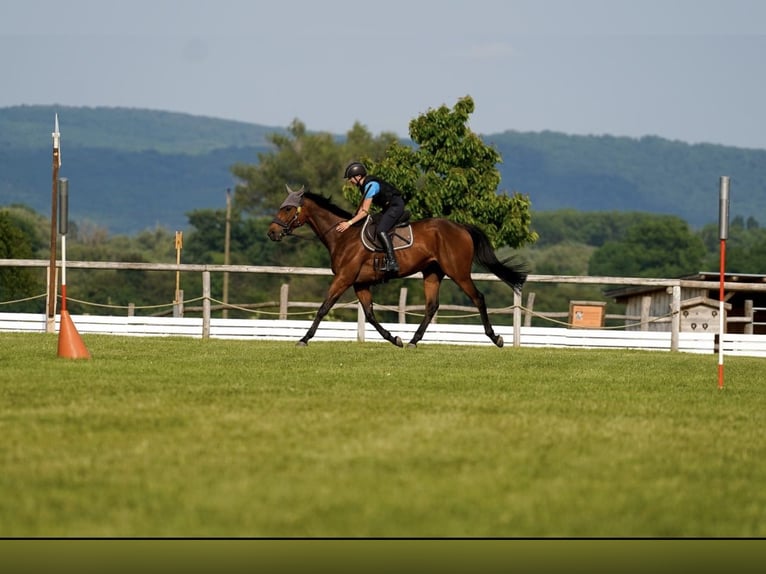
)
(390, 265)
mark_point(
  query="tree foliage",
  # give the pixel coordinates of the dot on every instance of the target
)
(661, 247)
(300, 157)
(452, 173)
(745, 246)
(15, 243)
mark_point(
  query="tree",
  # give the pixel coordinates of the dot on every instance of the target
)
(745, 246)
(453, 174)
(660, 247)
(315, 160)
(16, 282)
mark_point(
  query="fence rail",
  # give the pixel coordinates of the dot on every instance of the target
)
(440, 333)
(206, 326)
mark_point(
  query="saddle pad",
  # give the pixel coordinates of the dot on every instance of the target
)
(401, 236)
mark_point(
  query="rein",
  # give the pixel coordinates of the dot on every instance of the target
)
(288, 227)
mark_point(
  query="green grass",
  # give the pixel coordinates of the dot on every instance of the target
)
(181, 437)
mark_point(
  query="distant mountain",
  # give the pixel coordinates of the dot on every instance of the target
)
(133, 169)
(598, 173)
(128, 169)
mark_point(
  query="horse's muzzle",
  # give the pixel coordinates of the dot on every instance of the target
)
(276, 234)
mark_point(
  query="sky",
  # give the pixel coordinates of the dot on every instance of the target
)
(688, 70)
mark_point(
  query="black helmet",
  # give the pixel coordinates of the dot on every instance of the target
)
(354, 169)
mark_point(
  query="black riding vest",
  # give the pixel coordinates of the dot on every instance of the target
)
(386, 193)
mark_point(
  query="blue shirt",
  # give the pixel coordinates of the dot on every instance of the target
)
(371, 189)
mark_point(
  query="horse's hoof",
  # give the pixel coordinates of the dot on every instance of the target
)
(499, 341)
(398, 342)
(412, 346)
(301, 344)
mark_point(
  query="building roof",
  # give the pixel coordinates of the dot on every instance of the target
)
(622, 292)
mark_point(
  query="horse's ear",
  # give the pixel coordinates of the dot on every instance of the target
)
(288, 189)
(301, 190)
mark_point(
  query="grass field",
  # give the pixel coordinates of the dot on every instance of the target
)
(174, 437)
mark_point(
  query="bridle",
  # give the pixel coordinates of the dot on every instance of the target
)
(295, 199)
(287, 228)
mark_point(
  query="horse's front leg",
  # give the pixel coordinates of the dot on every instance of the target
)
(337, 288)
(364, 295)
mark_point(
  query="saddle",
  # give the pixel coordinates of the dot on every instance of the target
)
(401, 233)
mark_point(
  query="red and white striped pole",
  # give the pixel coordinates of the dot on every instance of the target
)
(723, 234)
(70, 345)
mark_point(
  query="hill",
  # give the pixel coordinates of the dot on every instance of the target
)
(605, 173)
(133, 169)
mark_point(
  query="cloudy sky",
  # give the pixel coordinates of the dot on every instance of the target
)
(690, 70)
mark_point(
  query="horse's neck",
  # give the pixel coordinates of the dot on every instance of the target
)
(323, 222)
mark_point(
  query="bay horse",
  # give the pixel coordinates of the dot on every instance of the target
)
(441, 247)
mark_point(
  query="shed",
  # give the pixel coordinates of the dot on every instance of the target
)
(647, 308)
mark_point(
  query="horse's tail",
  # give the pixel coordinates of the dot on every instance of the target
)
(511, 270)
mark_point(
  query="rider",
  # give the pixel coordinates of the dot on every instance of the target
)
(383, 195)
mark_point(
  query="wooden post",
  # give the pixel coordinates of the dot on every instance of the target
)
(646, 306)
(52, 280)
(360, 321)
(206, 304)
(284, 293)
(530, 306)
(403, 305)
(226, 249)
(178, 305)
(675, 322)
(516, 319)
(749, 312)
(179, 246)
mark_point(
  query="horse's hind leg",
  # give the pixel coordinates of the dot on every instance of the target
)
(364, 295)
(469, 288)
(431, 282)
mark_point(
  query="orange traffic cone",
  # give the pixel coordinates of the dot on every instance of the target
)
(70, 342)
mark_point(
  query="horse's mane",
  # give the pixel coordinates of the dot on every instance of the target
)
(326, 203)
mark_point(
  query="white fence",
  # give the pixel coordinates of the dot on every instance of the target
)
(293, 330)
(437, 333)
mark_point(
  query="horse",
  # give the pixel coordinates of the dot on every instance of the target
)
(441, 248)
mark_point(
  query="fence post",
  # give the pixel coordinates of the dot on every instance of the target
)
(516, 319)
(359, 323)
(50, 323)
(206, 304)
(675, 321)
(178, 306)
(402, 304)
(131, 309)
(646, 306)
(530, 306)
(749, 312)
(284, 293)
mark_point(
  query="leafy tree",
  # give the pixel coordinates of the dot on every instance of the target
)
(745, 246)
(17, 282)
(588, 227)
(453, 174)
(661, 247)
(315, 160)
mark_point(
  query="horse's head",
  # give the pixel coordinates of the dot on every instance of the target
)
(289, 215)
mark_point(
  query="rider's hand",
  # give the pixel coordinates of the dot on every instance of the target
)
(342, 226)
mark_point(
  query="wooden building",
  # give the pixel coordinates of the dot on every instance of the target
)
(649, 308)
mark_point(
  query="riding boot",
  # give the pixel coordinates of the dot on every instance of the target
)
(391, 263)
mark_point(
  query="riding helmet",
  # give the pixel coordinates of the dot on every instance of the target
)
(354, 169)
